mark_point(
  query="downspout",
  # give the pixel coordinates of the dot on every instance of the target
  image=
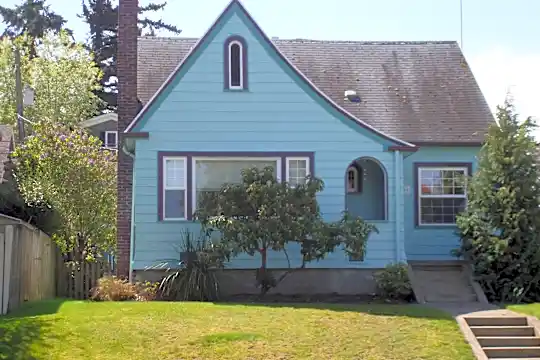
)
(397, 177)
(132, 232)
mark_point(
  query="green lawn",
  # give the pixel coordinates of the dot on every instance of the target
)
(160, 330)
(529, 309)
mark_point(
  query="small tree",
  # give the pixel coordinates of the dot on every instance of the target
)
(63, 76)
(262, 214)
(500, 230)
(69, 171)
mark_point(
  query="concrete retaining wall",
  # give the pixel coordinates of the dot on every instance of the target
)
(299, 282)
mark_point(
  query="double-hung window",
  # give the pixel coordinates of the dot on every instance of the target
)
(174, 188)
(297, 169)
(442, 194)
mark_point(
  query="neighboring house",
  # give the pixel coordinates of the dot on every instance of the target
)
(105, 127)
(389, 126)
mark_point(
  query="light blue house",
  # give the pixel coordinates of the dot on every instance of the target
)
(389, 127)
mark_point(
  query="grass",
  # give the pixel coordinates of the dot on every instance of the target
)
(166, 331)
(529, 309)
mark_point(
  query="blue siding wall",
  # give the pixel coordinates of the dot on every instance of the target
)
(275, 115)
(430, 242)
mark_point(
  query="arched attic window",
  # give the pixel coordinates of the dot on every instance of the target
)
(235, 69)
(354, 179)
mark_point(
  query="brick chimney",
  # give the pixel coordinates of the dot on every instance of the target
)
(127, 110)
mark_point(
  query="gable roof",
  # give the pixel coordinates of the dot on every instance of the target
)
(419, 92)
(100, 119)
(235, 6)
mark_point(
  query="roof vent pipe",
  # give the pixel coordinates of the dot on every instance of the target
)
(352, 96)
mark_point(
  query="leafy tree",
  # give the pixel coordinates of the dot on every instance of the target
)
(63, 76)
(500, 229)
(68, 170)
(262, 214)
(33, 18)
(102, 19)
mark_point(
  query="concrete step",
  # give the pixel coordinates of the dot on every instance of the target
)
(497, 321)
(508, 341)
(502, 330)
(512, 352)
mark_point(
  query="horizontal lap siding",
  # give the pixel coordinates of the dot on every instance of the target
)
(431, 242)
(275, 115)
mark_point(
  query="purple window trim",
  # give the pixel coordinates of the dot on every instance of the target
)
(243, 64)
(189, 155)
(416, 166)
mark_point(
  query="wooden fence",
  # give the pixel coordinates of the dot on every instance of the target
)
(28, 260)
(32, 268)
(76, 280)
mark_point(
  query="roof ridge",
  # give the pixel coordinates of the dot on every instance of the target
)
(316, 41)
(395, 42)
(167, 37)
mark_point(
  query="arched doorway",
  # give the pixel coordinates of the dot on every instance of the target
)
(366, 189)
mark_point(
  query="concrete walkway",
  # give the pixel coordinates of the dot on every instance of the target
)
(460, 309)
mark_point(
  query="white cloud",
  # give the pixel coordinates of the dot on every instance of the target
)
(499, 71)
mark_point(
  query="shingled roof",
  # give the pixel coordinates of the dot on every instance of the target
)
(420, 92)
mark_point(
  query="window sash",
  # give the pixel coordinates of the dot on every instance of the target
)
(463, 171)
(180, 187)
(288, 169)
(240, 65)
(107, 142)
(195, 189)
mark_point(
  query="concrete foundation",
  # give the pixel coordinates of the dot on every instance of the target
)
(299, 282)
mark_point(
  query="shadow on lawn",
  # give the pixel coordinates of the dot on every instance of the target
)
(23, 329)
(412, 310)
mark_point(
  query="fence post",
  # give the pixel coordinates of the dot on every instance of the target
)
(8, 248)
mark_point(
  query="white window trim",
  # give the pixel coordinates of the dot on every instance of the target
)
(354, 189)
(107, 133)
(241, 64)
(447, 196)
(230, 158)
(293, 158)
(183, 187)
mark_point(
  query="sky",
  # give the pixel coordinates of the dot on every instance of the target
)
(501, 38)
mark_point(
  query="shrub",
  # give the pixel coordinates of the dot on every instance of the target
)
(111, 288)
(192, 277)
(500, 228)
(147, 291)
(393, 282)
(275, 214)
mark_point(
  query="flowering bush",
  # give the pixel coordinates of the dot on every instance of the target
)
(67, 169)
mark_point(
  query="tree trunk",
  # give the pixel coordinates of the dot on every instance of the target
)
(263, 258)
(263, 278)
